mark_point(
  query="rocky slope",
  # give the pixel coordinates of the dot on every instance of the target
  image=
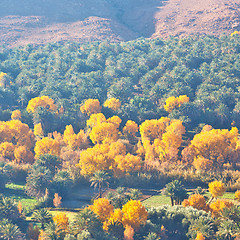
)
(41, 21)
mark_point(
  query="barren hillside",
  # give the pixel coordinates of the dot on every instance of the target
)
(35, 21)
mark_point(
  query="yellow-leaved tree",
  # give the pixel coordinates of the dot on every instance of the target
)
(175, 102)
(100, 157)
(16, 115)
(161, 139)
(43, 101)
(75, 141)
(199, 236)
(38, 131)
(196, 201)
(134, 214)
(91, 106)
(47, 146)
(218, 146)
(62, 222)
(130, 128)
(23, 155)
(7, 150)
(216, 188)
(217, 206)
(126, 164)
(112, 103)
(103, 209)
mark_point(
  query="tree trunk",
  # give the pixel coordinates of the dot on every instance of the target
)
(172, 202)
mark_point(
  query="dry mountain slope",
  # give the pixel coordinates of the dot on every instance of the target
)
(41, 21)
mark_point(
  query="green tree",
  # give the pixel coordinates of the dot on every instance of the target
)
(10, 231)
(42, 216)
(175, 191)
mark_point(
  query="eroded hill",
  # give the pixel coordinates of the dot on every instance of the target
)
(33, 21)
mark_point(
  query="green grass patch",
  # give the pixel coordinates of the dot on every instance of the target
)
(17, 192)
(156, 201)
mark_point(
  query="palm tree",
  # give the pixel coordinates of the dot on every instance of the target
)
(10, 231)
(8, 208)
(175, 191)
(42, 216)
(99, 179)
(53, 231)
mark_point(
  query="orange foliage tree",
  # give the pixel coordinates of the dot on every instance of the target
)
(74, 141)
(217, 206)
(216, 188)
(23, 155)
(7, 150)
(130, 128)
(16, 115)
(134, 214)
(47, 146)
(112, 103)
(216, 145)
(100, 157)
(126, 164)
(105, 132)
(91, 106)
(237, 195)
(38, 131)
(103, 209)
(61, 220)
(43, 101)
(174, 102)
(196, 201)
(16, 132)
(161, 139)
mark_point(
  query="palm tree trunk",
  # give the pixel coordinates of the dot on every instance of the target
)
(100, 190)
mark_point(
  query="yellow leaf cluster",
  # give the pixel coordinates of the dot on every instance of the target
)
(161, 138)
(47, 146)
(7, 150)
(74, 141)
(16, 132)
(43, 101)
(237, 195)
(105, 132)
(2, 75)
(91, 106)
(131, 128)
(235, 33)
(61, 220)
(217, 206)
(23, 155)
(113, 103)
(175, 102)
(217, 145)
(196, 201)
(216, 188)
(134, 214)
(201, 163)
(200, 236)
(38, 131)
(126, 164)
(102, 208)
(100, 157)
(96, 119)
(16, 115)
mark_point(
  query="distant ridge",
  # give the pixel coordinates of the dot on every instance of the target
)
(39, 22)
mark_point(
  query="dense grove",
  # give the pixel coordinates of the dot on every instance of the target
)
(142, 114)
(142, 74)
